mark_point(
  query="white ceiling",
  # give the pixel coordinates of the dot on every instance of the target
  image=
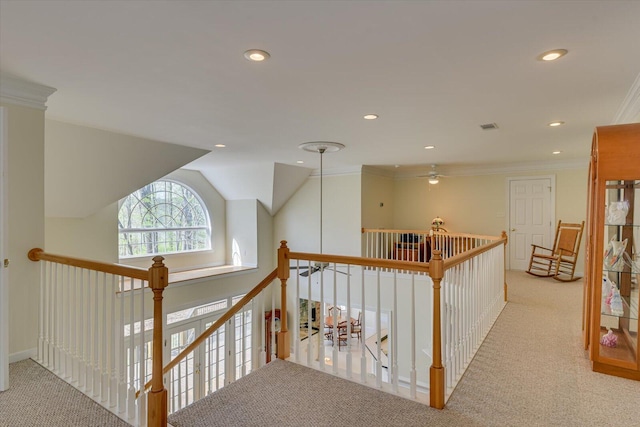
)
(434, 71)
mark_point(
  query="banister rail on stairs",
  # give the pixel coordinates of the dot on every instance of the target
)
(216, 325)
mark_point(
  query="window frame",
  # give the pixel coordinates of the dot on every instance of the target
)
(203, 205)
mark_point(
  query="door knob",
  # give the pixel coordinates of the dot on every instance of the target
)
(513, 229)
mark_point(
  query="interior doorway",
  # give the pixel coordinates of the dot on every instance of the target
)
(531, 217)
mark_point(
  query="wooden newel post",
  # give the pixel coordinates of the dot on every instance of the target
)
(506, 240)
(157, 398)
(436, 372)
(282, 338)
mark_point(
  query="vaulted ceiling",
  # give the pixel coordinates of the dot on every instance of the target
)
(433, 71)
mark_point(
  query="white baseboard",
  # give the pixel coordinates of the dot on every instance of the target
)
(22, 355)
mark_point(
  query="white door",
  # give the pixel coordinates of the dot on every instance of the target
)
(531, 217)
(4, 275)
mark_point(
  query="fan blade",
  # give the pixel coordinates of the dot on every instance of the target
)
(310, 271)
(338, 271)
(301, 267)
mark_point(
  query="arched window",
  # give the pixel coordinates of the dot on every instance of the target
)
(163, 217)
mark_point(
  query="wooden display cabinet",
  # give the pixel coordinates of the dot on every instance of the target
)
(612, 261)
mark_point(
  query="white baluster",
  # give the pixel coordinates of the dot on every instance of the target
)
(142, 409)
(336, 332)
(322, 322)
(142, 347)
(104, 347)
(122, 354)
(73, 327)
(349, 358)
(309, 322)
(296, 321)
(64, 313)
(412, 315)
(131, 395)
(378, 332)
(272, 337)
(95, 356)
(363, 355)
(263, 343)
(56, 314)
(42, 317)
(393, 350)
(113, 344)
(81, 320)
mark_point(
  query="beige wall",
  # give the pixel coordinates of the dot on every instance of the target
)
(26, 224)
(94, 237)
(478, 204)
(298, 221)
(377, 200)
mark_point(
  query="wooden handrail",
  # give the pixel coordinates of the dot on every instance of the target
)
(37, 254)
(468, 254)
(217, 324)
(368, 262)
(435, 233)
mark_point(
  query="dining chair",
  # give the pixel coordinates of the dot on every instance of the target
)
(356, 327)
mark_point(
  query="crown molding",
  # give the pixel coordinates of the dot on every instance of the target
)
(629, 111)
(25, 94)
(372, 170)
(495, 169)
(348, 170)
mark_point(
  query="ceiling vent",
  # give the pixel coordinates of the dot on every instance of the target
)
(489, 126)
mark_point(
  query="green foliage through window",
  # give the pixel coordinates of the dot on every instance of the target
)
(162, 217)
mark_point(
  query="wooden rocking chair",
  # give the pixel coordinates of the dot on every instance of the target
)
(559, 262)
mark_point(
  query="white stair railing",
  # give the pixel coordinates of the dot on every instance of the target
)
(394, 301)
(95, 330)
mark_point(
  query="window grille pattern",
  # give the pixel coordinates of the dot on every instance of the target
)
(162, 217)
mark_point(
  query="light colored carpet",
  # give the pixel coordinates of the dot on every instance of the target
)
(36, 397)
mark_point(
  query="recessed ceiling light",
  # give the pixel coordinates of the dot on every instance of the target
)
(220, 145)
(300, 162)
(552, 55)
(371, 117)
(555, 124)
(429, 147)
(256, 55)
(557, 152)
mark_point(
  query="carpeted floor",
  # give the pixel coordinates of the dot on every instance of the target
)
(530, 371)
(36, 397)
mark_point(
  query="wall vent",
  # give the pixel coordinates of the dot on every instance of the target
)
(489, 126)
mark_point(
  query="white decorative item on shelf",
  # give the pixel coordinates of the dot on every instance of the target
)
(607, 289)
(617, 214)
(613, 255)
(616, 303)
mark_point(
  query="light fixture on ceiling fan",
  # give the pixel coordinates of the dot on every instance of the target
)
(321, 147)
(433, 175)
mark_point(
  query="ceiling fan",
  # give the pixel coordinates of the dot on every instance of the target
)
(433, 175)
(319, 147)
(317, 266)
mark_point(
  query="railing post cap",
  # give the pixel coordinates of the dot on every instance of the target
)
(157, 261)
(283, 243)
(34, 254)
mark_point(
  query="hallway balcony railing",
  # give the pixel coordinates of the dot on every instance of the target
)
(405, 327)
